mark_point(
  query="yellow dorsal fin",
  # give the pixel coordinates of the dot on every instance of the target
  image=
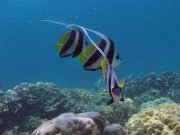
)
(58, 47)
(103, 67)
(121, 84)
(82, 57)
(63, 37)
(89, 49)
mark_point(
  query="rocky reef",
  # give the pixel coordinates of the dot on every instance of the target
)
(26, 106)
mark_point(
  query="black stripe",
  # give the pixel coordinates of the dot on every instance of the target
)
(109, 82)
(79, 46)
(106, 71)
(96, 55)
(69, 43)
(111, 52)
(92, 69)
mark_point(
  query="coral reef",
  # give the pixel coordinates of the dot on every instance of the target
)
(57, 101)
(96, 117)
(156, 102)
(9, 106)
(100, 85)
(89, 123)
(153, 86)
(1, 95)
(25, 106)
(174, 94)
(43, 101)
(120, 112)
(114, 129)
(25, 127)
(160, 120)
(68, 124)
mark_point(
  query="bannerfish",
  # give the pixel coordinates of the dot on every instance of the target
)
(106, 93)
(71, 43)
(108, 72)
(110, 77)
(115, 88)
(93, 57)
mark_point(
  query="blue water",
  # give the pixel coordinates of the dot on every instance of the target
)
(146, 33)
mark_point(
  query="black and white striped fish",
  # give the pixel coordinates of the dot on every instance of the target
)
(71, 43)
(93, 57)
(112, 83)
(108, 72)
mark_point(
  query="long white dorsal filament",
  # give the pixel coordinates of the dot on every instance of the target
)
(55, 22)
(85, 31)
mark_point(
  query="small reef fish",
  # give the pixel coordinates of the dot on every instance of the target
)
(109, 75)
(93, 57)
(106, 93)
(71, 43)
(115, 88)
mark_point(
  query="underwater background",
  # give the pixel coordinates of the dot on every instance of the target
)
(38, 89)
(146, 33)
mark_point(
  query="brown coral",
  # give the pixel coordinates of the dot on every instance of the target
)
(161, 120)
